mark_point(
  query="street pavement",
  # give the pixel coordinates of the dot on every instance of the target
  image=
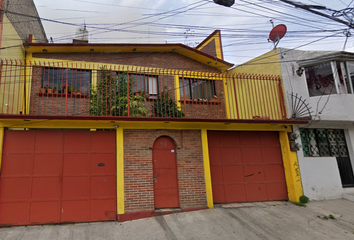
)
(331, 219)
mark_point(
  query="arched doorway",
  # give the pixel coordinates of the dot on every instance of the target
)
(165, 173)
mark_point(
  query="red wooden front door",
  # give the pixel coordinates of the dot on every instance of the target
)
(165, 173)
(57, 176)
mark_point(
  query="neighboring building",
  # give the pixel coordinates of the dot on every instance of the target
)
(138, 130)
(19, 19)
(318, 84)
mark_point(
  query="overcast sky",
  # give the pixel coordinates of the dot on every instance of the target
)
(245, 26)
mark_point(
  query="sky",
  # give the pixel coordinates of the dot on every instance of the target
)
(245, 26)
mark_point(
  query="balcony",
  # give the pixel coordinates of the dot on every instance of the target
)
(65, 89)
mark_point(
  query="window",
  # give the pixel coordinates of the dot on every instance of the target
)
(323, 143)
(330, 78)
(197, 88)
(320, 80)
(57, 77)
(142, 82)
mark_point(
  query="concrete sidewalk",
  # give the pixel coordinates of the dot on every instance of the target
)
(250, 221)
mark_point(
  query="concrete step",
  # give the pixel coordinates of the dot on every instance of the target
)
(349, 196)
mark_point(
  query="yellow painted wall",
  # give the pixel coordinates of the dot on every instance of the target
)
(10, 38)
(11, 44)
(268, 63)
(251, 93)
(207, 172)
(291, 169)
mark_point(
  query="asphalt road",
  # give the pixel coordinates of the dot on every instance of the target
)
(239, 221)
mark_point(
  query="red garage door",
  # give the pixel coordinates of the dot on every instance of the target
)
(57, 177)
(246, 166)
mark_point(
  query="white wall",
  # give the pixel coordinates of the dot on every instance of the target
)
(335, 107)
(320, 175)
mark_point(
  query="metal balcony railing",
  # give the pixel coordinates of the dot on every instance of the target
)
(69, 89)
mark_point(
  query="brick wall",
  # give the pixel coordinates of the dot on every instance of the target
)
(55, 104)
(78, 105)
(156, 60)
(138, 168)
(210, 48)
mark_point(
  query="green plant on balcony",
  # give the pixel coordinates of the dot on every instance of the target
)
(166, 106)
(112, 97)
(66, 88)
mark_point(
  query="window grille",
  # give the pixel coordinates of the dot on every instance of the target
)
(324, 142)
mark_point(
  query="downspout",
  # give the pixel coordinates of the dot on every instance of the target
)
(24, 85)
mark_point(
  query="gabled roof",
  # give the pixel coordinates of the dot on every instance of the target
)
(212, 45)
(184, 50)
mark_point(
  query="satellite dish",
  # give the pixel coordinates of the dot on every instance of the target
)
(277, 33)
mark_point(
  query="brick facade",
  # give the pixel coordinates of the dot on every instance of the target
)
(138, 168)
(78, 105)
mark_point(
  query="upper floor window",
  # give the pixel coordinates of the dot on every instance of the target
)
(147, 84)
(197, 88)
(330, 78)
(144, 83)
(61, 77)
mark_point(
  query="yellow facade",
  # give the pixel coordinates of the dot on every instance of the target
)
(11, 48)
(235, 94)
(266, 64)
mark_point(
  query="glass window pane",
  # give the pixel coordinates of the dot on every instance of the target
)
(184, 87)
(351, 73)
(320, 80)
(152, 85)
(57, 77)
(197, 89)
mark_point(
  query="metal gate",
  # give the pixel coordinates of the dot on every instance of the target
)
(57, 176)
(246, 166)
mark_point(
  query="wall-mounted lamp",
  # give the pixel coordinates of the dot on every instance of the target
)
(300, 71)
(45, 50)
(91, 50)
(134, 49)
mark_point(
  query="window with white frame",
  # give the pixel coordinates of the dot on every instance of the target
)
(327, 78)
(147, 84)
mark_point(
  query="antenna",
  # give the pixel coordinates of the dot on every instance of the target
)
(277, 33)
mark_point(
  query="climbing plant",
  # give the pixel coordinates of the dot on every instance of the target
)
(166, 106)
(113, 96)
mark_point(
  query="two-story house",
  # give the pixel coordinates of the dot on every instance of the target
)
(100, 132)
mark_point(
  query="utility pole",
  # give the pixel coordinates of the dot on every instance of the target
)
(310, 9)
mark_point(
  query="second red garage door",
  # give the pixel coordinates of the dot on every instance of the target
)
(57, 176)
(246, 166)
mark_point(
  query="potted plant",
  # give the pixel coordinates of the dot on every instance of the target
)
(73, 90)
(48, 89)
(42, 90)
(214, 99)
(146, 95)
(78, 91)
(184, 98)
(66, 88)
(55, 90)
